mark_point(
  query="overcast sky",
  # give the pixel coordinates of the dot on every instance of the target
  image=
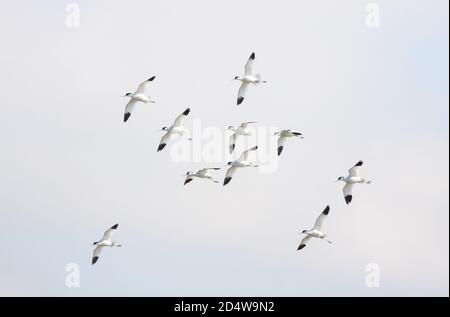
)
(71, 168)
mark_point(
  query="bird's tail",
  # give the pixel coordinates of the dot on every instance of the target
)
(258, 77)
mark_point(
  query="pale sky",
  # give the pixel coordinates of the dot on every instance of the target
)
(72, 168)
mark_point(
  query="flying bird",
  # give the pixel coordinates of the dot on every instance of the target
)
(175, 129)
(283, 136)
(316, 231)
(203, 173)
(140, 95)
(352, 178)
(105, 242)
(248, 78)
(241, 162)
(243, 130)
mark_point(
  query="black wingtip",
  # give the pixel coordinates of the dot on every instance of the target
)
(297, 133)
(326, 211)
(151, 78)
(94, 260)
(252, 56)
(348, 199)
(187, 181)
(280, 150)
(360, 163)
(301, 246)
(126, 117)
(161, 147)
(226, 181)
(115, 226)
(186, 112)
(240, 100)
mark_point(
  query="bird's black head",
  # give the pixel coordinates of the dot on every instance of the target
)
(229, 163)
(236, 78)
(128, 94)
(95, 243)
(340, 178)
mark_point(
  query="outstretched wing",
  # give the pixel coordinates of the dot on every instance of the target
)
(164, 141)
(354, 171)
(281, 143)
(229, 176)
(348, 192)
(108, 233)
(244, 156)
(181, 117)
(241, 93)
(205, 171)
(303, 243)
(249, 65)
(129, 109)
(232, 144)
(244, 125)
(143, 87)
(96, 254)
(321, 218)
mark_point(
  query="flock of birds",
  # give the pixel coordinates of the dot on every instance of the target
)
(177, 129)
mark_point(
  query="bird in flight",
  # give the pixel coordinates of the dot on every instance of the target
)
(203, 173)
(316, 231)
(352, 179)
(105, 242)
(247, 79)
(243, 130)
(175, 129)
(241, 162)
(140, 95)
(283, 136)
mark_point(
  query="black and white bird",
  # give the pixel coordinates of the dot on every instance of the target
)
(283, 136)
(140, 95)
(316, 231)
(175, 129)
(243, 130)
(352, 179)
(203, 173)
(248, 78)
(241, 162)
(105, 242)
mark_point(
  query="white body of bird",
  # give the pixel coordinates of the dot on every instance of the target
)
(283, 135)
(175, 129)
(140, 95)
(203, 173)
(248, 78)
(242, 130)
(105, 242)
(316, 231)
(352, 179)
(241, 162)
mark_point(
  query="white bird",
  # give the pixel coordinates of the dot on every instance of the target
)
(241, 162)
(243, 130)
(283, 136)
(247, 79)
(203, 173)
(105, 242)
(140, 95)
(352, 178)
(315, 232)
(175, 129)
